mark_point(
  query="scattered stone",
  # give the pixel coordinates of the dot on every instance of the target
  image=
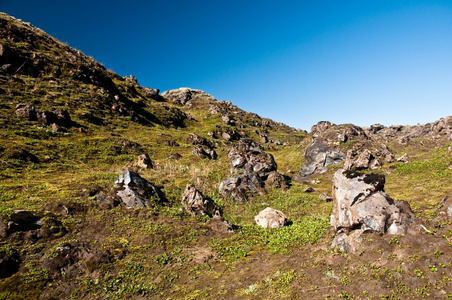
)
(238, 186)
(131, 79)
(228, 120)
(26, 110)
(404, 158)
(144, 161)
(361, 205)
(270, 218)
(57, 128)
(219, 223)
(23, 220)
(151, 93)
(194, 202)
(309, 189)
(276, 180)
(135, 191)
(263, 139)
(195, 139)
(325, 197)
(207, 153)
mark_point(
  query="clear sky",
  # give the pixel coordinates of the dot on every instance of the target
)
(297, 62)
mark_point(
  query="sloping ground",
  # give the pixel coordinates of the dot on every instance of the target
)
(84, 249)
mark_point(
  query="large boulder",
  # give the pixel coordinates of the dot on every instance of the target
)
(136, 191)
(249, 156)
(318, 156)
(194, 202)
(360, 205)
(237, 187)
(270, 218)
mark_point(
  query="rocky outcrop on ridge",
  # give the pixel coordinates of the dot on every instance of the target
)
(331, 145)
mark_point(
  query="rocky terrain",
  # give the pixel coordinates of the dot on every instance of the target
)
(112, 190)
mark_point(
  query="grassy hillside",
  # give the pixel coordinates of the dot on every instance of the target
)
(85, 249)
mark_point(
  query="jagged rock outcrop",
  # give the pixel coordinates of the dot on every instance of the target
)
(361, 205)
(441, 128)
(253, 168)
(328, 147)
(136, 191)
(249, 156)
(318, 156)
(270, 218)
(237, 187)
(184, 96)
(205, 152)
(194, 202)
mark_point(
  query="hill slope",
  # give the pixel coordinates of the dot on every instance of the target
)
(69, 129)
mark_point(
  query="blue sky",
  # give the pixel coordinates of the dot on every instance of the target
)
(297, 62)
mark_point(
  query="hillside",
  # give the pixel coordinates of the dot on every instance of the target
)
(70, 128)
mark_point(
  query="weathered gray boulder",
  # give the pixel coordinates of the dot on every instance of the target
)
(270, 218)
(136, 191)
(240, 185)
(318, 156)
(194, 202)
(361, 205)
(249, 156)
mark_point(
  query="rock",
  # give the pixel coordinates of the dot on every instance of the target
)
(26, 110)
(195, 139)
(144, 161)
(270, 218)
(320, 128)
(324, 197)
(318, 156)
(180, 96)
(135, 191)
(219, 223)
(300, 179)
(22, 220)
(249, 156)
(404, 158)
(194, 202)
(58, 116)
(309, 189)
(228, 120)
(207, 153)
(74, 259)
(276, 180)
(361, 205)
(263, 139)
(358, 160)
(57, 128)
(238, 186)
(151, 93)
(131, 79)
